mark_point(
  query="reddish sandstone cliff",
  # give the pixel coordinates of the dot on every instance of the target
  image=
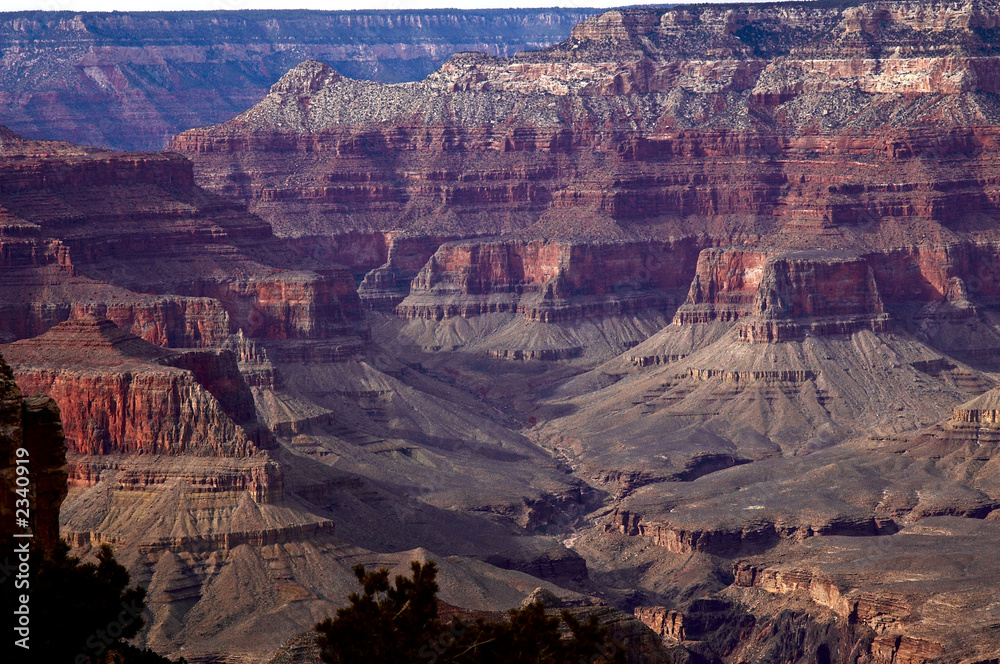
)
(120, 394)
(128, 236)
(775, 129)
(549, 281)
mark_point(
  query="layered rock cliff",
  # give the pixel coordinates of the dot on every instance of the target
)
(548, 281)
(120, 394)
(629, 132)
(130, 80)
(130, 237)
(748, 256)
(759, 131)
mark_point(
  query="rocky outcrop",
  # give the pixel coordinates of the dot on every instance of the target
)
(982, 412)
(725, 284)
(755, 127)
(388, 284)
(783, 296)
(691, 115)
(548, 281)
(221, 541)
(257, 476)
(129, 237)
(120, 394)
(30, 436)
(668, 624)
(98, 168)
(747, 536)
(130, 80)
(817, 293)
(842, 599)
(254, 362)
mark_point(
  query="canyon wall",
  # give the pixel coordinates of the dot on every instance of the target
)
(745, 258)
(120, 394)
(760, 131)
(548, 281)
(125, 236)
(130, 80)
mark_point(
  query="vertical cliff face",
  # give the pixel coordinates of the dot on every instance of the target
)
(119, 394)
(131, 238)
(549, 281)
(724, 286)
(822, 292)
(31, 424)
(769, 128)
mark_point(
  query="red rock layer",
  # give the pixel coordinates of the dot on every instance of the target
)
(131, 238)
(870, 129)
(120, 394)
(834, 294)
(259, 476)
(548, 281)
(782, 295)
(724, 286)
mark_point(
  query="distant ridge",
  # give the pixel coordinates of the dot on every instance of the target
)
(130, 80)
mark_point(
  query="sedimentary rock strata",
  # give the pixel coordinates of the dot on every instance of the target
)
(694, 312)
(130, 237)
(772, 130)
(131, 80)
(121, 394)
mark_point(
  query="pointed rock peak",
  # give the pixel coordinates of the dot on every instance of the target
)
(543, 595)
(8, 135)
(11, 143)
(307, 77)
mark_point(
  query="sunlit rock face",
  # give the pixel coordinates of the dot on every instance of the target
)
(131, 80)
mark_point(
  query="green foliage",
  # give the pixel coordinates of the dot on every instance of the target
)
(403, 616)
(398, 624)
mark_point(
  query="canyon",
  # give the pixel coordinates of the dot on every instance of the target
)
(690, 320)
(132, 79)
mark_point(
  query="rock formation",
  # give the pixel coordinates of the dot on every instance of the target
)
(226, 411)
(93, 232)
(131, 80)
(755, 128)
(31, 423)
(694, 312)
(119, 394)
(818, 179)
